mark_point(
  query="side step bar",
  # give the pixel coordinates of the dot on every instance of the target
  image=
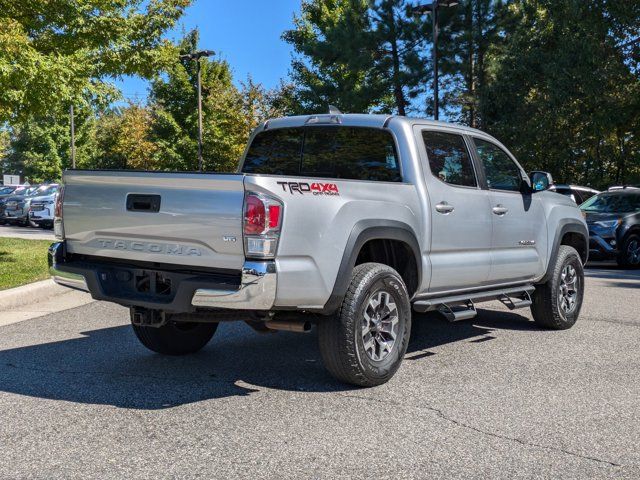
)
(521, 301)
(515, 297)
(458, 313)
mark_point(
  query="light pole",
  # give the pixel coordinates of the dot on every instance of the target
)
(433, 9)
(73, 138)
(197, 56)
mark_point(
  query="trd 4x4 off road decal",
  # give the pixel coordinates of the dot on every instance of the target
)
(313, 188)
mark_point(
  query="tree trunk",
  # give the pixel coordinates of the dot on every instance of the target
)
(469, 80)
(398, 93)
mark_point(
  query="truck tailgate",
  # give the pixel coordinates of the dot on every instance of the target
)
(184, 219)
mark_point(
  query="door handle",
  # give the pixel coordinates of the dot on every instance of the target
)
(444, 207)
(500, 210)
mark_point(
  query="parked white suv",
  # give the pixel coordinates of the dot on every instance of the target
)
(41, 208)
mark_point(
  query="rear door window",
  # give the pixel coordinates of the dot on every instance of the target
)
(353, 153)
(449, 159)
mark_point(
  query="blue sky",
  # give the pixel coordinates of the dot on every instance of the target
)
(245, 33)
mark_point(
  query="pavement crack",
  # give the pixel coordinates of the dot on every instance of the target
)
(626, 323)
(481, 431)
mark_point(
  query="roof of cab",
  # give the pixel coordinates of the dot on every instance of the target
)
(356, 120)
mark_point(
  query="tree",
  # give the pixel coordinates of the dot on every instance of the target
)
(399, 41)
(561, 93)
(466, 34)
(56, 53)
(360, 55)
(229, 113)
(124, 139)
(334, 60)
(39, 148)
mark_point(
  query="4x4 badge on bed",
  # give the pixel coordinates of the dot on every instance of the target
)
(315, 188)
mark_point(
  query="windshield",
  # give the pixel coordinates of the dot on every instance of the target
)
(6, 190)
(612, 203)
(20, 191)
(44, 191)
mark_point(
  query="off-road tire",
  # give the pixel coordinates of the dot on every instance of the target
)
(623, 257)
(546, 308)
(176, 338)
(340, 335)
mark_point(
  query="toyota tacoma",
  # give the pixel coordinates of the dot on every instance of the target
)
(346, 222)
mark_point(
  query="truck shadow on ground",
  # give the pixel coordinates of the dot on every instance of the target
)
(109, 367)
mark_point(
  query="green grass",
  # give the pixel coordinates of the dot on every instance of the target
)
(22, 261)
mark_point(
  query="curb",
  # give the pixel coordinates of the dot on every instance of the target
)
(29, 294)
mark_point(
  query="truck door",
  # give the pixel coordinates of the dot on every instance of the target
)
(519, 226)
(460, 215)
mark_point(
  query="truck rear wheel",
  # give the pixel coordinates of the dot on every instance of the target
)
(557, 303)
(176, 338)
(364, 342)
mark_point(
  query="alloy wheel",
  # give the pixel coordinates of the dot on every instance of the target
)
(568, 289)
(380, 325)
(633, 252)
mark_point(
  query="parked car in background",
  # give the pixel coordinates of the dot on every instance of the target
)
(15, 210)
(574, 192)
(7, 191)
(613, 218)
(42, 206)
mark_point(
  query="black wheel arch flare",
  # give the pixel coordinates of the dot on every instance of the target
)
(362, 232)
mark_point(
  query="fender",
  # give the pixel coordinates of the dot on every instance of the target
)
(362, 232)
(566, 225)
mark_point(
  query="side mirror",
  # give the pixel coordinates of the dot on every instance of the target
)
(540, 181)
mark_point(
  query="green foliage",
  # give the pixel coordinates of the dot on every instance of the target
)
(22, 261)
(467, 33)
(561, 94)
(53, 53)
(356, 54)
(229, 113)
(557, 80)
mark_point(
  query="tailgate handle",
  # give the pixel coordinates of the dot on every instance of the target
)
(143, 203)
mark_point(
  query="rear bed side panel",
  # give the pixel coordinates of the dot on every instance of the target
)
(199, 222)
(316, 229)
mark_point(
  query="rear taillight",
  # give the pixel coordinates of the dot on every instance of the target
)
(261, 225)
(58, 228)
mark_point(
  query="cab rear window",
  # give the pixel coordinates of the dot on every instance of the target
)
(353, 153)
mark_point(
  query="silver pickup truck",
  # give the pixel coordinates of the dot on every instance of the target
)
(348, 222)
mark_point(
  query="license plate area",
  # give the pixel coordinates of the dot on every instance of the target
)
(150, 285)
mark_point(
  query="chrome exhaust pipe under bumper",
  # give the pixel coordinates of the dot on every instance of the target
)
(299, 326)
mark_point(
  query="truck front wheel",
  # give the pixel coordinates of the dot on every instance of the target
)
(364, 342)
(176, 338)
(557, 303)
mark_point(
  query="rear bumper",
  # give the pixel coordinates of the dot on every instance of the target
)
(43, 216)
(15, 215)
(255, 290)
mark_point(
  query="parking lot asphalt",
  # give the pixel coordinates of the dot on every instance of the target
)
(27, 233)
(494, 397)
